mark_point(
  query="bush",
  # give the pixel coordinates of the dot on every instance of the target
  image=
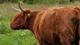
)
(4, 28)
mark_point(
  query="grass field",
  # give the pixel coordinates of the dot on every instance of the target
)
(20, 37)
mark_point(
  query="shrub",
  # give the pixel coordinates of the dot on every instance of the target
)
(4, 28)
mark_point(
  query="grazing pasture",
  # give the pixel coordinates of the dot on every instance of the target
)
(21, 37)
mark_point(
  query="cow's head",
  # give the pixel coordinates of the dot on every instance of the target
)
(20, 21)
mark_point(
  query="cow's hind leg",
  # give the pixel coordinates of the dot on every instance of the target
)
(64, 39)
(76, 24)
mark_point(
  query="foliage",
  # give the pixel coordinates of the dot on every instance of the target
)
(39, 1)
(4, 28)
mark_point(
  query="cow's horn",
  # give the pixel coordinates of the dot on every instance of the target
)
(16, 9)
(19, 4)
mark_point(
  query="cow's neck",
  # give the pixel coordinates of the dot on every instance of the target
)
(31, 19)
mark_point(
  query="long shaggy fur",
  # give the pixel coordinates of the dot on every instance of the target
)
(53, 26)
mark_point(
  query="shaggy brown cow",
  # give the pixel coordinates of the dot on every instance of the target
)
(58, 26)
